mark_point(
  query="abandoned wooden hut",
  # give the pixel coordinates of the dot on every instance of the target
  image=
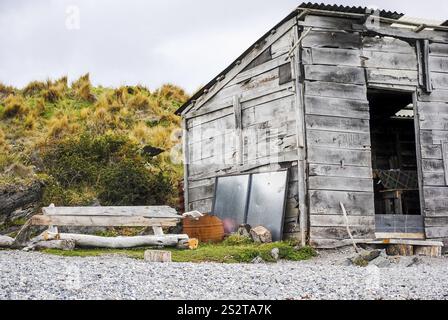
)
(353, 103)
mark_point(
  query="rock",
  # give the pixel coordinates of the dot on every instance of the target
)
(257, 260)
(363, 258)
(415, 261)
(6, 241)
(157, 256)
(380, 262)
(370, 255)
(16, 197)
(275, 254)
(244, 230)
(261, 235)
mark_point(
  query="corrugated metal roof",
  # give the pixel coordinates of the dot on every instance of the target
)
(348, 9)
(305, 5)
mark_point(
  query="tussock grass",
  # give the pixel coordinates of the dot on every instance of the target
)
(14, 106)
(34, 88)
(44, 114)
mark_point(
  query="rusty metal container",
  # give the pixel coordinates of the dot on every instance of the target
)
(207, 229)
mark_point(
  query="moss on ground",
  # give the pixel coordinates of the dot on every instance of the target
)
(221, 253)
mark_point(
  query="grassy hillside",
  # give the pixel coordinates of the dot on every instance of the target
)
(87, 144)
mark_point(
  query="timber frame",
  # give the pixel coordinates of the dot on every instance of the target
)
(300, 92)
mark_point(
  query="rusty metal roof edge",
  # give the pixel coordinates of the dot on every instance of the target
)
(294, 13)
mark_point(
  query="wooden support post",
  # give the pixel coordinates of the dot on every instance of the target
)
(238, 128)
(301, 143)
(445, 159)
(186, 153)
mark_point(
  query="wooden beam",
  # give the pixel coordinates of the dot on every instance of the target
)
(101, 221)
(445, 160)
(238, 128)
(140, 211)
(301, 143)
(186, 158)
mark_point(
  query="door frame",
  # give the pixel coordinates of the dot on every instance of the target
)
(412, 90)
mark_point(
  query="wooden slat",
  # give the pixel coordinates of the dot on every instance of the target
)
(438, 64)
(439, 80)
(434, 96)
(337, 107)
(329, 39)
(140, 211)
(339, 171)
(388, 45)
(339, 221)
(338, 74)
(338, 139)
(327, 202)
(340, 233)
(331, 56)
(436, 232)
(101, 221)
(340, 183)
(339, 156)
(440, 49)
(335, 90)
(385, 60)
(392, 77)
(337, 124)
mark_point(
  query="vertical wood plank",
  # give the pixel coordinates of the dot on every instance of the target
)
(238, 127)
(445, 159)
(186, 152)
(300, 127)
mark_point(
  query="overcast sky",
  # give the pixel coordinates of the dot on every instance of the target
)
(186, 42)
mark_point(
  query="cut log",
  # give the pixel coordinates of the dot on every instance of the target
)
(157, 256)
(400, 250)
(429, 251)
(66, 245)
(88, 241)
(6, 242)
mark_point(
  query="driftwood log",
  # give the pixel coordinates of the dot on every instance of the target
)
(6, 242)
(55, 244)
(89, 241)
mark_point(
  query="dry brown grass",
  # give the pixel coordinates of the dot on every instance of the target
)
(14, 106)
(140, 102)
(83, 88)
(140, 133)
(172, 92)
(58, 126)
(30, 122)
(34, 88)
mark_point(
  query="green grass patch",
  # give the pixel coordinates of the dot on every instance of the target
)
(221, 253)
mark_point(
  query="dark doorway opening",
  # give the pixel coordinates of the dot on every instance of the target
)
(394, 162)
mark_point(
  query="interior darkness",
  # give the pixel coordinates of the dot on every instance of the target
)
(394, 159)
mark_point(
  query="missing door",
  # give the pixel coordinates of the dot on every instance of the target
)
(394, 162)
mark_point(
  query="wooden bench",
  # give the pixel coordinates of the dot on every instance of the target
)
(156, 217)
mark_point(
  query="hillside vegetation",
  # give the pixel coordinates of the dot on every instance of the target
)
(91, 145)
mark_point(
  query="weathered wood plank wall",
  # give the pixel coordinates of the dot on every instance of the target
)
(337, 133)
(266, 99)
(433, 116)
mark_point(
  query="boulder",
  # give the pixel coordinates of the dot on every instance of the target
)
(244, 230)
(257, 260)
(5, 241)
(261, 235)
(15, 200)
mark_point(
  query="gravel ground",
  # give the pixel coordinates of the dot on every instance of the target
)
(31, 275)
